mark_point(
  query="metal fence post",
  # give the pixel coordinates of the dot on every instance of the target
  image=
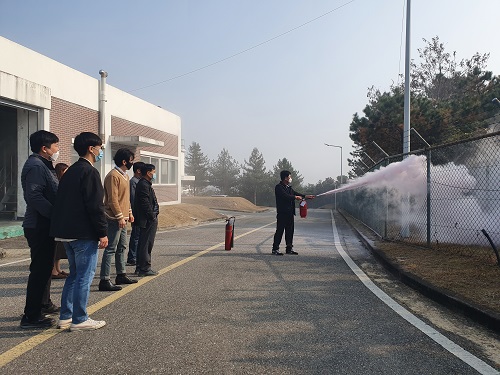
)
(429, 198)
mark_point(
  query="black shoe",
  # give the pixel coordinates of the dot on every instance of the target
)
(148, 273)
(50, 309)
(276, 252)
(124, 279)
(108, 286)
(39, 323)
(131, 263)
(292, 252)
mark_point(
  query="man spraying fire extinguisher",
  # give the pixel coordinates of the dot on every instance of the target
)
(285, 207)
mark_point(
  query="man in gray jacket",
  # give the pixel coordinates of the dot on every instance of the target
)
(134, 235)
(39, 182)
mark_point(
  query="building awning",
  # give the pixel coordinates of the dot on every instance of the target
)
(135, 140)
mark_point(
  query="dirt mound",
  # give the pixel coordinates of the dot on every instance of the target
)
(181, 215)
(195, 210)
(225, 203)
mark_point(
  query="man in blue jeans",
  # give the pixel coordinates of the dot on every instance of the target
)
(79, 222)
(118, 213)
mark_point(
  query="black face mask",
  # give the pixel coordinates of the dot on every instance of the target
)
(129, 165)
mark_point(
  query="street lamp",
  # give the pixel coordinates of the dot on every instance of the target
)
(341, 176)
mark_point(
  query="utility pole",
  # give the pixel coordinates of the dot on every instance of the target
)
(406, 132)
(405, 201)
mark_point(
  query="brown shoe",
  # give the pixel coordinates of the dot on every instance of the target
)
(59, 276)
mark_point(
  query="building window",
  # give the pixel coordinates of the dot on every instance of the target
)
(166, 169)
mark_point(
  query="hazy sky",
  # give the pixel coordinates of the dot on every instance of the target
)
(298, 88)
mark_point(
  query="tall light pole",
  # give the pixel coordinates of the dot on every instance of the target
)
(405, 202)
(406, 127)
(341, 175)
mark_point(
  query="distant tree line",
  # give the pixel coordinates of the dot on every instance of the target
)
(251, 180)
(450, 100)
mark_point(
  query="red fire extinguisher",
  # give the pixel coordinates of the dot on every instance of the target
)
(229, 243)
(303, 208)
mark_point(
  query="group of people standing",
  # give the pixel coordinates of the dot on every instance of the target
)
(73, 208)
(84, 215)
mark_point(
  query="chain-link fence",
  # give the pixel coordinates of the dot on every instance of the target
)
(445, 197)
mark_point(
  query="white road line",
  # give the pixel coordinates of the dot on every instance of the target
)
(476, 363)
(17, 261)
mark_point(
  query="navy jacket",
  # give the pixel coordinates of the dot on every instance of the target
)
(146, 207)
(285, 199)
(79, 209)
(133, 184)
(39, 182)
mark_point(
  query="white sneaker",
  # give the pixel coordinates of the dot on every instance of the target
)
(87, 325)
(64, 323)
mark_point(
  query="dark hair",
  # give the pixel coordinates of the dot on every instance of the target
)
(147, 168)
(60, 168)
(123, 154)
(284, 174)
(137, 165)
(42, 138)
(84, 140)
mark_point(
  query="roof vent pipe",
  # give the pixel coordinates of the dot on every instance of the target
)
(102, 105)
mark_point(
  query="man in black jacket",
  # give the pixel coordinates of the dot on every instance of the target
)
(285, 207)
(39, 182)
(146, 210)
(80, 223)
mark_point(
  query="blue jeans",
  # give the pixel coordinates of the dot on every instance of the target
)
(82, 258)
(117, 245)
(133, 243)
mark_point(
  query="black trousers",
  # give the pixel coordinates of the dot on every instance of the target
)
(284, 223)
(42, 248)
(146, 242)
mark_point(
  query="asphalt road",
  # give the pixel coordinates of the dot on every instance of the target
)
(243, 311)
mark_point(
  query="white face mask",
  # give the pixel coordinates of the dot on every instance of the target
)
(54, 156)
(289, 181)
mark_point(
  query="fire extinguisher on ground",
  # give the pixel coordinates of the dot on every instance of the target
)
(229, 243)
(303, 208)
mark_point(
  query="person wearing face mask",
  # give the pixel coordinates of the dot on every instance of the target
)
(146, 211)
(285, 208)
(79, 222)
(134, 234)
(39, 183)
(118, 213)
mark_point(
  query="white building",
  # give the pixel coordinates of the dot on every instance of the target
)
(37, 93)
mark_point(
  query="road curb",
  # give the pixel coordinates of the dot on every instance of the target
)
(485, 317)
(11, 231)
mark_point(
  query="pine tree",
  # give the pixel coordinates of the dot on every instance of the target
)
(224, 173)
(256, 183)
(197, 165)
(285, 165)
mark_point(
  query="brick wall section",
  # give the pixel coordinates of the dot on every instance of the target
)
(67, 120)
(121, 127)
